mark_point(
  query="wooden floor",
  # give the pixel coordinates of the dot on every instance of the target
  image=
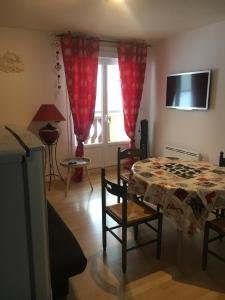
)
(147, 277)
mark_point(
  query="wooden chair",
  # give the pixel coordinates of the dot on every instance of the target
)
(220, 212)
(217, 225)
(221, 160)
(127, 214)
(122, 155)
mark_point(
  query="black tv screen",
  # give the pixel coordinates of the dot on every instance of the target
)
(188, 90)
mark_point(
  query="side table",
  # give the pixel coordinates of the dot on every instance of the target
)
(72, 163)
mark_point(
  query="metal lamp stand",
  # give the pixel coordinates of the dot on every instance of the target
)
(49, 136)
(52, 164)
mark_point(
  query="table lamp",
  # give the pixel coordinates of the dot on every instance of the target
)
(49, 136)
(48, 113)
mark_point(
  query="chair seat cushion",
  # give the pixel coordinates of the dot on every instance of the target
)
(136, 211)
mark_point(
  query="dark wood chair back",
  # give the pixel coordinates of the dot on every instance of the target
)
(129, 153)
(217, 225)
(122, 154)
(112, 188)
(221, 160)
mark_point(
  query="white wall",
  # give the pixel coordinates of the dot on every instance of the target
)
(204, 48)
(21, 94)
(203, 131)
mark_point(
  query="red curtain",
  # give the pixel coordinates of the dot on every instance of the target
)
(132, 63)
(80, 56)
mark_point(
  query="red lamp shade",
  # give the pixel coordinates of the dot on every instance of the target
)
(49, 113)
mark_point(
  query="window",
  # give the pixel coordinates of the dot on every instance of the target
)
(108, 125)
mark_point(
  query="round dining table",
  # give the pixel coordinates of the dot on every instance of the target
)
(187, 191)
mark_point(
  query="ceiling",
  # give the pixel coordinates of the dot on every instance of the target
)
(139, 19)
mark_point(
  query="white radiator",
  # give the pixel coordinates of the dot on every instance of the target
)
(171, 151)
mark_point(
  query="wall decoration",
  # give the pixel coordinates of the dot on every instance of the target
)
(58, 66)
(10, 62)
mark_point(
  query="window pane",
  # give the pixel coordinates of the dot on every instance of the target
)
(116, 128)
(114, 89)
(95, 135)
(115, 107)
(115, 125)
(98, 103)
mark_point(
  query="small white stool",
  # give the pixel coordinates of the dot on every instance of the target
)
(72, 163)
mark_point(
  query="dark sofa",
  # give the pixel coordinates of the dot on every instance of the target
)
(66, 256)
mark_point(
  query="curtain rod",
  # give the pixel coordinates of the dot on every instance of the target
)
(102, 40)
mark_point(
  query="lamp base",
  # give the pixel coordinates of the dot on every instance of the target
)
(49, 134)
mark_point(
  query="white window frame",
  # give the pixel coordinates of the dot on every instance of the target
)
(104, 61)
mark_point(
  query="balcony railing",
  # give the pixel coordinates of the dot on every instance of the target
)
(95, 136)
(116, 132)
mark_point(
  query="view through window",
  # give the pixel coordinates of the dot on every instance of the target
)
(108, 124)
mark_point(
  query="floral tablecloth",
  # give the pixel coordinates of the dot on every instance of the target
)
(187, 191)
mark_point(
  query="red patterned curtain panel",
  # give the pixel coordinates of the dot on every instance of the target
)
(80, 56)
(132, 64)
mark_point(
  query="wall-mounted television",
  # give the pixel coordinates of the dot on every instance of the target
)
(188, 90)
